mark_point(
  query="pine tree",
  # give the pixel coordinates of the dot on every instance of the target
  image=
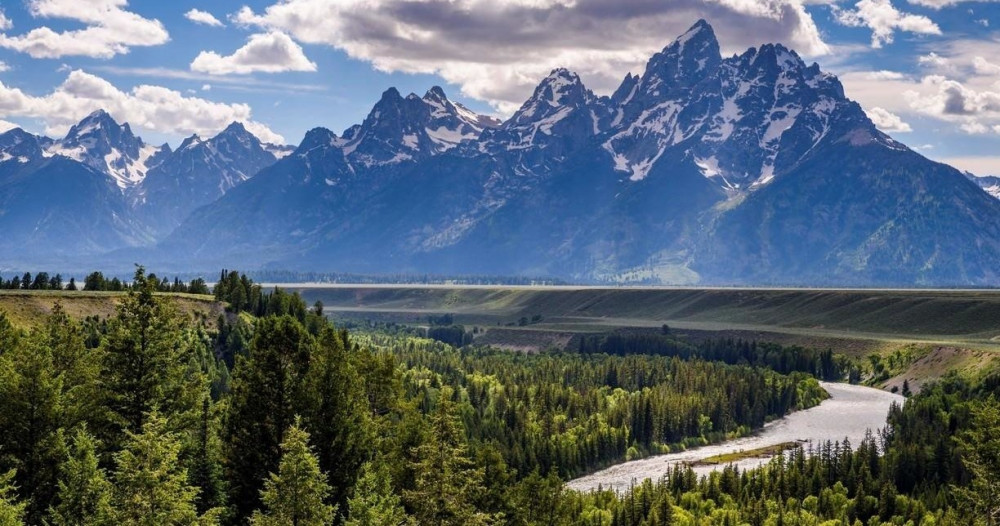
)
(95, 281)
(147, 365)
(267, 392)
(31, 389)
(11, 511)
(447, 484)
(980, 443)
(78, 368)
(537, 498)
(296, 494)
(9, 335)
(84, 491)
(374, 503)
(150, 485)
(337, 413)
(206, 465)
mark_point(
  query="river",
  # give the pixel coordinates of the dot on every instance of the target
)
(849, 413)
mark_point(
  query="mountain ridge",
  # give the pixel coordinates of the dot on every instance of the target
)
(134, 192)
(753, 168)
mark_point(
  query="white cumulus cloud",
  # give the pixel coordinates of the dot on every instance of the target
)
(203, 17)
(940, 4)
(884, 20)
(272, 52)
(110, 30)
(887, 121)
(498, 50)
(154, 108)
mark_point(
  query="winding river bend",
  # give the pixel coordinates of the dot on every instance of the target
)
(849, 413)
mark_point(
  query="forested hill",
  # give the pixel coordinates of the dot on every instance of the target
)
(270, 414)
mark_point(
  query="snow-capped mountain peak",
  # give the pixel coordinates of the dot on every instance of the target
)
(698, 41)
(20, 146)
(400, 129)
(442, 107)
(450, 123)
(554, 98)
(561, 113)
(190, 142)
(682, 64)
(741, 120)
(100, 142)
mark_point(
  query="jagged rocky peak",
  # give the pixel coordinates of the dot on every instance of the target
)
(742, 120)
(441, 106)
(698, 42)
(97, 120)
(560, 116)
(234, 149)
(392, 132)
(100, 142)
(556, 96)
(451, 123)
(626, 90)
(318, 137)
(393, 109)
(408, 128)
(236, 138)
(100, 132)
(237, 129)
(685, 62)
(562, 87)
(190, 142)
(21, 146)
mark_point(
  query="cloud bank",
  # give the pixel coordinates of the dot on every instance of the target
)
(110, 30)
(498, 50)
(148, 107)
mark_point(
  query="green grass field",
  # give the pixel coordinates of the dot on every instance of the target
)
(935, 331)
(966, 317)
(28, 308)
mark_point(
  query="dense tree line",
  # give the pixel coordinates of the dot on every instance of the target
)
(243, 295)
(823, 364)
(573, 413)
(97, 282)
(454, 335)
(140, 419)
(40, 281)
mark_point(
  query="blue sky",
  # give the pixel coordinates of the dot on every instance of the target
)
(927, 71)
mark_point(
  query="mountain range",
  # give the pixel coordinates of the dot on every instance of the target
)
(750, 169)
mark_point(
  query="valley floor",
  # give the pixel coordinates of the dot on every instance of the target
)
(920, 333)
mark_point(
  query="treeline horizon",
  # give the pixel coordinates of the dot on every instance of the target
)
(285, 277)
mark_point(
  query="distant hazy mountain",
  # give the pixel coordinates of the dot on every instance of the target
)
(101, 188)
(751, 169)
(989, 183)
(197, 173)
